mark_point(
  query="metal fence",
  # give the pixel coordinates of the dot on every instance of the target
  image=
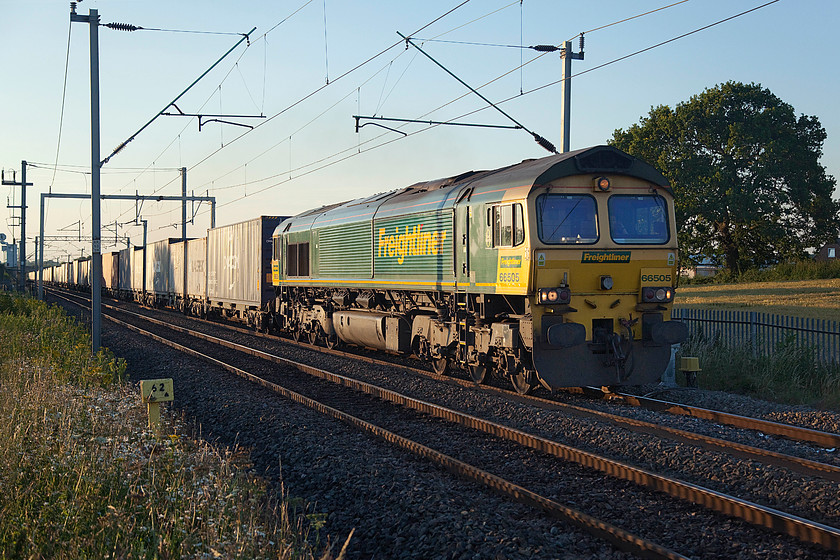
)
(764, 331)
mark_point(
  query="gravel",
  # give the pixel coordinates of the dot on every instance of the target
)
(405, 507)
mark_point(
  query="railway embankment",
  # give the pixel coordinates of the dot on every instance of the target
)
(84, 477)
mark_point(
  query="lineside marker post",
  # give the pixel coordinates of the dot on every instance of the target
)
(690, 366)
(153, 392)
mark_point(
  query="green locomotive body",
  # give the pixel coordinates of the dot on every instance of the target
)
(520, 272)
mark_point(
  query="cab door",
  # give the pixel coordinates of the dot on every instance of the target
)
(463, 271)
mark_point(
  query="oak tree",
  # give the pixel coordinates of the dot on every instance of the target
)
(750, 189)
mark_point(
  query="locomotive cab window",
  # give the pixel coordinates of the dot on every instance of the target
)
(507, 225)
(638, 219)
(297, 259)
(567, 219)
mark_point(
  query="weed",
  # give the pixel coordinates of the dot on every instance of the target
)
(788, 373)
(82, 477)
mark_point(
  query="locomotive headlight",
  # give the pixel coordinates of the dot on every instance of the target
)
(602, 184)
(657, 295)
(554, 296)
(606, 282)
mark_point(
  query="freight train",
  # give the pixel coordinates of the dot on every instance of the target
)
(559, 271)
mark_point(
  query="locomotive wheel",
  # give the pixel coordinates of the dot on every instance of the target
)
(521, 380)
(296, 334)
(440, 365)
(332, 341)
(478, 373)
(313, 337)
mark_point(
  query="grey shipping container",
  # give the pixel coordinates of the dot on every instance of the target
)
(239, 262)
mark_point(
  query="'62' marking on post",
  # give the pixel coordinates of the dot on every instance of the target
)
(157, 390)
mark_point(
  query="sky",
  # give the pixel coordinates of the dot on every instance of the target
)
(311, 65)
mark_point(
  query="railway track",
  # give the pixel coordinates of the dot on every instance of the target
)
(796, 433)
(798, 527)
(797, 464)
(801, 465)
(788, 431)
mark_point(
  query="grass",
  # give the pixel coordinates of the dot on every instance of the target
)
(83, 478)
(782, 272)
(790, 374)
(819, 299)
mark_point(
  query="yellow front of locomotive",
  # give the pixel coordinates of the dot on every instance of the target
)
(604, 269)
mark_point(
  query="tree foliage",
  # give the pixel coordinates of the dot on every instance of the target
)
(750, 190)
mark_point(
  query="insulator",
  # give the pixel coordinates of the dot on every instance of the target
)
(122, 27)
(545, 48)
(545, 143)
(581, 42)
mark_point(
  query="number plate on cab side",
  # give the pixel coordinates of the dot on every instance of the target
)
(657, 277)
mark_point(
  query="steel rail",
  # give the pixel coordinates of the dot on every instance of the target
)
(619, 538)
(797, 433)
(756, 514)
(796, 464)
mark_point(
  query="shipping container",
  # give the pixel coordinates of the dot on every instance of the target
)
(197, 271)
(60, 274)
(159, 273)
(239, 263)
(111, 271)
(176, 264)
(124, 279)
(83, 273)
(138, 270)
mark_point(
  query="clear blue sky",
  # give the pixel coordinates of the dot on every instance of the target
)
(294, 161)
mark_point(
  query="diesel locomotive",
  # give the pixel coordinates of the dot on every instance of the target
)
(557, 271)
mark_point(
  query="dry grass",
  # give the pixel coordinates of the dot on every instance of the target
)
(82, 477)
(819, 299)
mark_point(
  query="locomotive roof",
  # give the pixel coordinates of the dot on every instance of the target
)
(439, 193)
(537, 172)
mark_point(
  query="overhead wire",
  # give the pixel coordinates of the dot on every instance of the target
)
(321, 88)
(274, 146)
(263, 37)
(483, 108)
(60, 120)
(487, 83)
(307, 96)
(503, 101)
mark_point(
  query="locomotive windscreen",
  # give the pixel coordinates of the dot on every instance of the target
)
(565, 218)
(638, 219)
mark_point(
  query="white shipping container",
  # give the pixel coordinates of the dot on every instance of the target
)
(138, 265)
(125, 270)
(176, 262)
(197, 271)
(159, 273)
(110, 270)
(239, 262)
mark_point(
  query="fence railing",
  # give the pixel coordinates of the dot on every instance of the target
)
(764, 331)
